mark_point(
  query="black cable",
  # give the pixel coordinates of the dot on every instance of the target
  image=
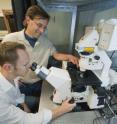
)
(95, 120)
(105, 112)
(112, 54)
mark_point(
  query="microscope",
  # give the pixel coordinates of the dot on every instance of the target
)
(58, 78)
(92, 74)
(92, 49)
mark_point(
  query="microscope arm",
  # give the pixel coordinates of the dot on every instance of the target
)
(58, 78)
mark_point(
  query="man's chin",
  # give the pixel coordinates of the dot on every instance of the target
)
(37, 34)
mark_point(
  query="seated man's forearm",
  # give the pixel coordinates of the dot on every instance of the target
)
(64, 108)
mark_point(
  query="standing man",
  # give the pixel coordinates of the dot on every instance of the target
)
(38, 46)
(14, 62)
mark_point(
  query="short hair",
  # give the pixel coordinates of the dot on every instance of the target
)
(8, 52)
(37, 11)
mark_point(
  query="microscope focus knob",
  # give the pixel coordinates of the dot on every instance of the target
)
(96, 57)
(71, 101)
(33, 66)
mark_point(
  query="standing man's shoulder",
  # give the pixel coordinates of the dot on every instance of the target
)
(44, 40)
(13, 36)
(46, 44)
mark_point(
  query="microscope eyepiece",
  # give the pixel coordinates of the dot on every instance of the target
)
(33, 66)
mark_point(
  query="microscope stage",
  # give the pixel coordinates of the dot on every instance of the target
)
(87, 78)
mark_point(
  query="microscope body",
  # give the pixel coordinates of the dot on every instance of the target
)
(92, 49)
(58, 78)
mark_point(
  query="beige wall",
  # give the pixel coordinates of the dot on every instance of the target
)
(93, 19)
(59, 29)
(107, 14)
(5, 4)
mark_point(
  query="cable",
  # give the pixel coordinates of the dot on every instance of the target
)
(99, 119)
(110, 108)
(112, 54)
(106, 116)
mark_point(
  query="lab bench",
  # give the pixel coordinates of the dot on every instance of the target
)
(86, 117)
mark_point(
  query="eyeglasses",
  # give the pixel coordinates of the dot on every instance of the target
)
(25, 66)
(40, 25)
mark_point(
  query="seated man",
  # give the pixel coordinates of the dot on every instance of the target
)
(14, 62)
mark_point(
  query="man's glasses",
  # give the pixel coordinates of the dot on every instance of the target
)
(40, 25)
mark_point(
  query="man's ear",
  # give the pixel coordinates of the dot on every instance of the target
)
(8, 67)
(27, 18)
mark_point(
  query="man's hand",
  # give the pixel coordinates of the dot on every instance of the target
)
(73, 59)
(26, 108)
(66, 106)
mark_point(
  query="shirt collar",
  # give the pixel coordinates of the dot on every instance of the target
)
(24, 40)
(5, 85)
(31, 40)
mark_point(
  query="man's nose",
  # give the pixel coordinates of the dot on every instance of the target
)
(42, 30)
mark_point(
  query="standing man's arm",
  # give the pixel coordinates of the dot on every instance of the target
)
(66, 57)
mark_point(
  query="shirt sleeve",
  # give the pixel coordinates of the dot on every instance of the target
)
(10, 37)
(11, 114)
(47, 116)
(42, 117)
(46, 42)
(53, 50)
(21, 98)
